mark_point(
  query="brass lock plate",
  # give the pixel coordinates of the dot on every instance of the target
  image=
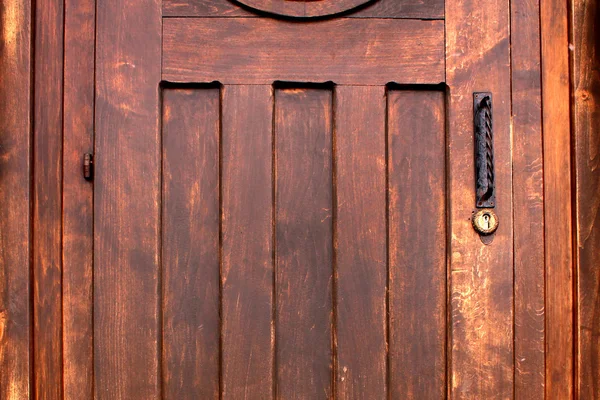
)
(485, 222)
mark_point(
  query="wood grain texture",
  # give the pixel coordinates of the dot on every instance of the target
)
(304, 243)
(361, 245)
(260, 51)
(247, 271)
(15, 196)
(481, 276)
(528, 199)
(585, 37)
(417, 244)
(127, 200)
(190, 245)
(423, 9)
(77, 251)
(557, 200)
(47, 199)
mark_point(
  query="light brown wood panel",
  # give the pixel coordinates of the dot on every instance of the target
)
(15, 196)
(304, 242)
(260, 51)
(47, 199)
(127, 201)
(417, 243)
(248, 252)
(481, 276)
(422, 9)
(557, 200)
(190, 244)
(585, 37)
(361, 242)
(528, 200)
(77, 249)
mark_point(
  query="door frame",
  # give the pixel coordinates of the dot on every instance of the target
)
(47, 58)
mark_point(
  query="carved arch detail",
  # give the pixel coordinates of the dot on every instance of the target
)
(304, 8)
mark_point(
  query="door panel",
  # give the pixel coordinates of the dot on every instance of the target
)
(190, 243)
(290, 196)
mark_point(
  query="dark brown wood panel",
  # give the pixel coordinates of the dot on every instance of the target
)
(481, 275)
(127, 201)
(190, 245)
(15, 197)
(304, 243)
(557, 200)
(260, 51)
(47, 199)
(417, 244)
(361, 245)
(247, 272)
(586, 122)
(422, 9)
(77, 251)
(528, 200)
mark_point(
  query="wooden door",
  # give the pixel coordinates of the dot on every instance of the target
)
(280, 211)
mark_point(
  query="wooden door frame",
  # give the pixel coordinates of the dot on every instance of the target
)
(43, 296)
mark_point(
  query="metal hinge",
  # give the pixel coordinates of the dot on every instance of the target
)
(88, 166)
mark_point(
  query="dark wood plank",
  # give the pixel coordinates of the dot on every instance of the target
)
(557, 200)
(190, 246)
(304, 243)
(481, 276)
(127, 200)
(361, 245)
(417, 244)
(47, 199)
(77, 199)
(15, 196)
(422, 9)
(585, 25)
(357, 52)
(528, 200)
(247, 271)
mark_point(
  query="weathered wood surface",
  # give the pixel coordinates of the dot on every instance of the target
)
(127, 201)
(557, 200)
(47, 199)
(528, 200)
(481, 276)
(417, 244)
(261, 51)
(419, 9)
(304, 243)
(361, 242)
(15, 197)
(190, 244)
(248, 251)
(586, 123)
(77, 194)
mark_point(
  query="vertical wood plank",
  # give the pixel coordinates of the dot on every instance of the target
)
(15, 197)
(190, 249)
(304, 243)
(557, 199)
(77, 279)
(417, 244)
(528, 199)
(361, 245)
(247, 271)
(47, 201)
(481, 280)
(127, 200)
(585, 37)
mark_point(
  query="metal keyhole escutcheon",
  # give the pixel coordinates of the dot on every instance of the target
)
(485, 222)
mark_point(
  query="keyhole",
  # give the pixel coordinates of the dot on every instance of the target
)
(486, 219)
